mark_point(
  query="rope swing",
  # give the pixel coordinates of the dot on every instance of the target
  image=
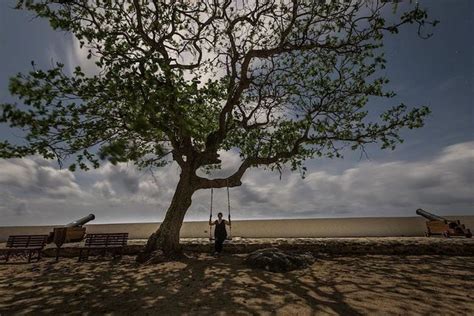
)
(229, 236)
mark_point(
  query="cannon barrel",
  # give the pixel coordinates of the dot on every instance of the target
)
(81, 221)
(430, 216)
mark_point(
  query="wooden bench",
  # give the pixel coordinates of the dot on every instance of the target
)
(25, 244)
(102, 243)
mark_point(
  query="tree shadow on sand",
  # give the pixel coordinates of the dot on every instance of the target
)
(201, 284)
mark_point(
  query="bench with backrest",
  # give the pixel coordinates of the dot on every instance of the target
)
(102, 243)
(25, 244)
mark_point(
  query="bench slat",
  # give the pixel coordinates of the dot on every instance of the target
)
(106, 240)
(26, 241)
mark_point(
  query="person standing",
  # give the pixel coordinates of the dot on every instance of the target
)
(220, 232)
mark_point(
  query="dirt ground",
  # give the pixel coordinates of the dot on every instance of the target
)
(204, 285)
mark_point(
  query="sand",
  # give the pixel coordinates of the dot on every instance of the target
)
(204, 285)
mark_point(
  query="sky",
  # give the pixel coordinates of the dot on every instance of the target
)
(433, 169)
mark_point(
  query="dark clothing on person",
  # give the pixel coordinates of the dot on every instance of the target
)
(220, 235)
(220, 232)
(218, 245)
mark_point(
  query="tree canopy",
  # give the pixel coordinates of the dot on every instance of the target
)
(279, 82)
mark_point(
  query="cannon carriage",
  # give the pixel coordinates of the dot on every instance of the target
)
(437, 225)
(72, 232)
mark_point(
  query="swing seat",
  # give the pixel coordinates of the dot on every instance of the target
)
(227, 239)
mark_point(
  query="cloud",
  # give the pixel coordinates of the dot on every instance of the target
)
(32, 178)
(125, 182)
(121, 177)
(77, 56)
(104, 189)
(33, 191)
(444, 184)
(12, 205)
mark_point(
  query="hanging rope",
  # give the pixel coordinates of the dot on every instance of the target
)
(228, 211)
(210, 215)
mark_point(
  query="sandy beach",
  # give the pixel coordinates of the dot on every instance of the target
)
(204, 285)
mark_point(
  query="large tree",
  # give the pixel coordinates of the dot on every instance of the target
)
(277, 82)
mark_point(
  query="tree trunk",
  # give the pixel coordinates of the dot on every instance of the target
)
(166, 238)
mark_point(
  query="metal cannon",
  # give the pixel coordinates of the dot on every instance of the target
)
(437, 225)
(81, 221)
(72, 232)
